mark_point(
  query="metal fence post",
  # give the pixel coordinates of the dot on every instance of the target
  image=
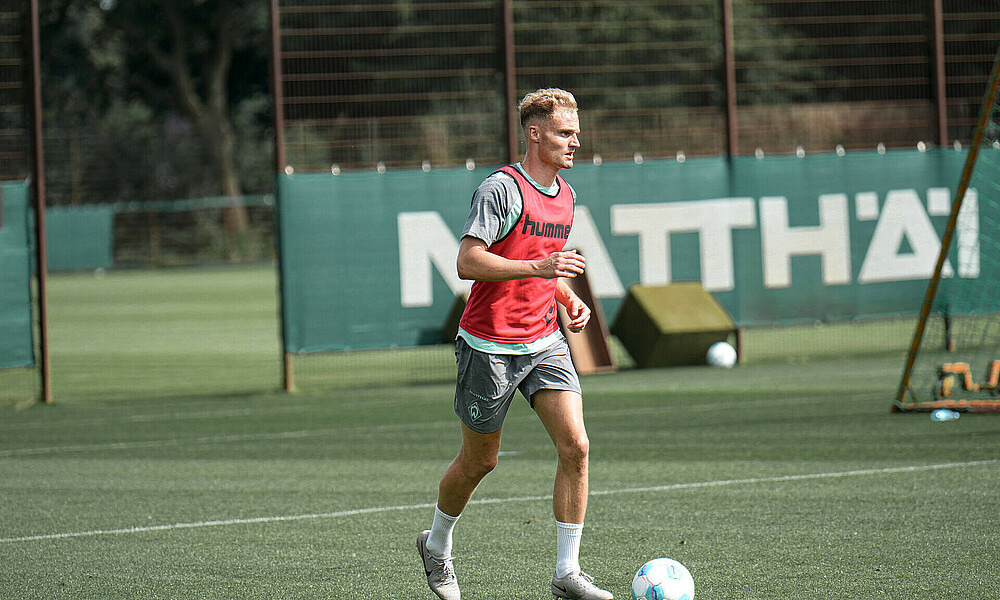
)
(510, 80)
(278, 114)
(38, 185)
(729, 68)
(940, 83)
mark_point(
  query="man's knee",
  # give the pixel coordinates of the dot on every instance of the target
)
(478, 466)
(574, 452)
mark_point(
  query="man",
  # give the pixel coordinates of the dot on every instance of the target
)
(509, 339)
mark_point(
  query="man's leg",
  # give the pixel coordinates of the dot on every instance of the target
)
(561, 412)
(476, 458)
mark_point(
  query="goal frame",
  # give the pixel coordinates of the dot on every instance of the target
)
(900, 403)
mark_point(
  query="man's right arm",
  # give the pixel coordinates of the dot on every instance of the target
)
(476, 262)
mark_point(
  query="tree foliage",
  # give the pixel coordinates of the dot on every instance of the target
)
(173, 85)
(178, 89)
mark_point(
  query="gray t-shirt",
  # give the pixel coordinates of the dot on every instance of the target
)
(497, 206)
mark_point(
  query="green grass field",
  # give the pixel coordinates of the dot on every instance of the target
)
(170, 466)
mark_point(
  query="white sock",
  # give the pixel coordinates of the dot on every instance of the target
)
(568, 548)
(439, 541)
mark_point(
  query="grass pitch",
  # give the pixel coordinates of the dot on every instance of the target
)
(171, 467)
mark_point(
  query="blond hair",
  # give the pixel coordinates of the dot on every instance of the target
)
(542, 103)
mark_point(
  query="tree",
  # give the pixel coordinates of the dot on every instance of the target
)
(196, 58)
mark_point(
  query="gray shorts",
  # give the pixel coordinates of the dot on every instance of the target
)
(487, 382)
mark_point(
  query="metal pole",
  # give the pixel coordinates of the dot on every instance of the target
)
(940, 81)
(277, 92)
(278, 116)
(510, 81)
(38, 168)
(729, 63)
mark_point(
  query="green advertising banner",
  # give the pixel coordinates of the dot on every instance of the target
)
(368, 259)
(16, 342)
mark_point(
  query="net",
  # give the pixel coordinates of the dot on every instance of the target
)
(191, 232)
(952, 363)
(382, 84)
(645, 73)
(821, 73)
(379, 83)
(14, 141)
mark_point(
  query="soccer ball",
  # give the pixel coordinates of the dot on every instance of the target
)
(721, 354)
(663, 579)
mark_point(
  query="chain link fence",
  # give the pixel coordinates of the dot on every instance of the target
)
(382, 85)
(14, 141)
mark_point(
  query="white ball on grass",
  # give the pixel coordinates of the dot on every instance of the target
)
(663, 579)
(721, 354)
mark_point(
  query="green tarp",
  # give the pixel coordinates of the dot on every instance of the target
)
(16, 345)
(368, 259)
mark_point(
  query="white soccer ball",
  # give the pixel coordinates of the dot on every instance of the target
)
(663, 579)
(721, 354)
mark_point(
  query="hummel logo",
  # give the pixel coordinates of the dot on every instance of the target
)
(542, 229)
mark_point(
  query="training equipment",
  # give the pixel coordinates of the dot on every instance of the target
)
(721, 354)
(663, 579)
(668, 325)
(954, 358)
(440, 573)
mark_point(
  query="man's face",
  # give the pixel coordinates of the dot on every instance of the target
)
(558, 138)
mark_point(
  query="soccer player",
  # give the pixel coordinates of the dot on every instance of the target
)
(509, 339)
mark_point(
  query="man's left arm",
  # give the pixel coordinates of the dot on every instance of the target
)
(579, 312)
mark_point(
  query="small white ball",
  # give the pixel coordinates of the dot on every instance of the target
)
(721, 354)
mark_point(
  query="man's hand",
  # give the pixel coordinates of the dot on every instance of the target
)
(576, 309)
(579, 315)
(560, 264)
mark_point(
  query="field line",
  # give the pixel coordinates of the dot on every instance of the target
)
(224, 413)
(308, 433)
(428, 506)
(217, 439)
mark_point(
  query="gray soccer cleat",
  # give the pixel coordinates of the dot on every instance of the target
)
(440, 573)
(578, 586)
